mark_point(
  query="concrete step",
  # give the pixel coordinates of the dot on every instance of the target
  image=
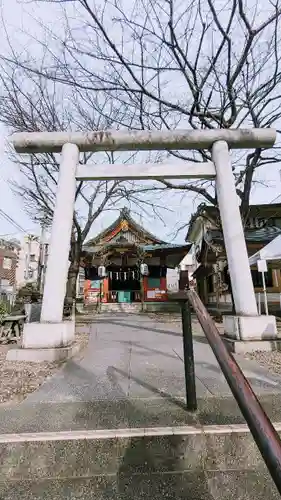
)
(121, 307)
(186, 462)
(132, 449)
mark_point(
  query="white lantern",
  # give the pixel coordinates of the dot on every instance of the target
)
(144, 269)
(102, 271)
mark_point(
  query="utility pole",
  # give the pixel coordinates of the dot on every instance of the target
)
(27, 259)
(45, 259)
(41, 261)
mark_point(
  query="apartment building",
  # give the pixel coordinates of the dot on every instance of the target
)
(9, 255)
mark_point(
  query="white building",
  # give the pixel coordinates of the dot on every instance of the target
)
(188, 264)
(32, 261)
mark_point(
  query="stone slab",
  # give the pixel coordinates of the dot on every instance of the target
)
(133, 450)
(48, 335)
(129, 358)
(42, 355)
(152, 386)
(208, 463)
(132, 374)
(250, 327)
(140, 412)
(191, 485)
(129, 451)
(145, 356)
(242, 347)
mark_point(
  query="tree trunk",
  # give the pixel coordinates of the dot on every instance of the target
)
(72, 280)
(142, 293)
(73, 271)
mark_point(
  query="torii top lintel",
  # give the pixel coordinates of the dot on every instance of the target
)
(129, 140)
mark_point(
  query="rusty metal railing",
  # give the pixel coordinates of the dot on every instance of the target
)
(264, 434)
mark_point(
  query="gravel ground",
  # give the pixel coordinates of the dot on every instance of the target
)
(18, 379)
(163, 317)
(176, 318)
(270, 360)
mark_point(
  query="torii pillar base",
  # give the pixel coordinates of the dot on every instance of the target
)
(251, 333)
(47, 342)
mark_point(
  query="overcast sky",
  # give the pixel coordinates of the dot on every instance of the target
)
(18, 18)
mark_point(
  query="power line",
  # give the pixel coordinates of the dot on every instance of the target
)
(6, 216)
(6, 235)
(274, 199)
(11, 221)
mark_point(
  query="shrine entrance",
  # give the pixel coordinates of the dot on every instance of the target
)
(247, 324)
(124, 284)
(121, 249)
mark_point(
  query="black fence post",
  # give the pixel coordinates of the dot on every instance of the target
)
(188, 356)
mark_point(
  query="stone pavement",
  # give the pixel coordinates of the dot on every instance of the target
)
(131, 356)
(132, 374)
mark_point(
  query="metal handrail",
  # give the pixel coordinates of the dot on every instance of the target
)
(264, 434)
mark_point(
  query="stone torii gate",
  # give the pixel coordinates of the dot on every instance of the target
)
(52, 338)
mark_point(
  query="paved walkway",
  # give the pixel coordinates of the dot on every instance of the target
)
(135, 357)
(132, 374)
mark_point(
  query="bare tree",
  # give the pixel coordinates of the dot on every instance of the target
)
(171, 64)
(31, 103)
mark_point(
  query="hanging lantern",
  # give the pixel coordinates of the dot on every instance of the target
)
(102, 271)
(144, 269)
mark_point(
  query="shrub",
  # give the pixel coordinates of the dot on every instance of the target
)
(28, 293)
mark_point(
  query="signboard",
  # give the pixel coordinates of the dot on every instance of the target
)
(262, 266)
(156, 294)
(95, 285)
(93, 296)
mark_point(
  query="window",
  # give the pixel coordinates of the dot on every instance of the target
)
(257, 278)
(32, 257)
(7, 263)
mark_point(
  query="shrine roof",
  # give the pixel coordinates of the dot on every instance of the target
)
(124, 216)
(210, 213)
(166, 246)
(146, 248)
(264, 234)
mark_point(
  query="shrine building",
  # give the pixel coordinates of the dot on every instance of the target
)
(121, 250)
